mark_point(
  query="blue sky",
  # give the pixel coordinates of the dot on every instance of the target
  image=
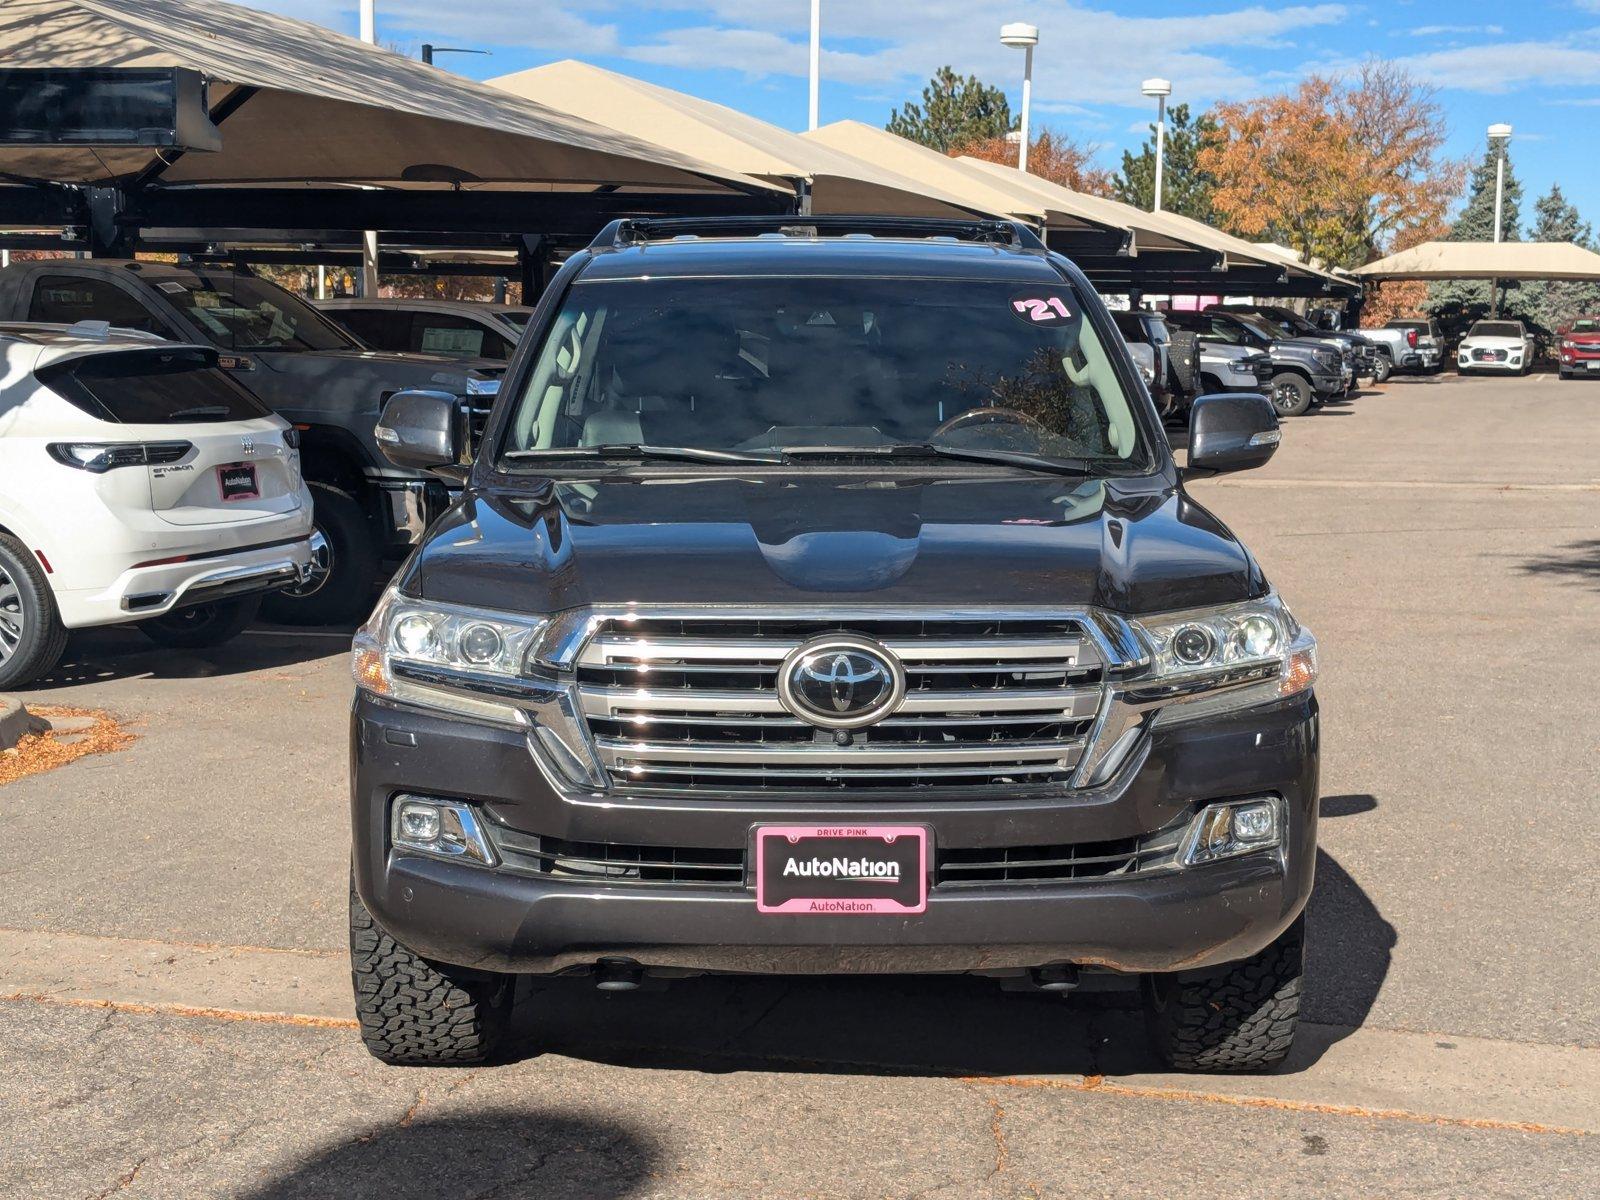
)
(1535, 65)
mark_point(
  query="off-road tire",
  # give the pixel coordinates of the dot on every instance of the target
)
(202, 625)
(344, 595)
(1235, 1018)
(42, 638)
(416, 1013)
(1291, 394)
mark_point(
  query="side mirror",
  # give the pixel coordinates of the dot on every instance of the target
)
(421, 430)
(1231, 431)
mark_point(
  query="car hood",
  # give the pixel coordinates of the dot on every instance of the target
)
(1134, 546)
(1582, 339)
(1304, 345)
(1491, 343)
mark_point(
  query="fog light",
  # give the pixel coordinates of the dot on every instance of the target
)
(1227, 830)
(441, 828)
(1255, 823)
(418, 822)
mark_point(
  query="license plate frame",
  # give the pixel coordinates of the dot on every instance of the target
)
(805, 892)
(238, 481)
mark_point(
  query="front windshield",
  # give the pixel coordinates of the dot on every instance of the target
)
(1586, 327)
(1259, 326)
(849, 364)
(1506, 329)
(242, 312)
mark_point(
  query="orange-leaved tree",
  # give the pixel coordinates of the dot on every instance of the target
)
(1341, 169)
(1052, 156)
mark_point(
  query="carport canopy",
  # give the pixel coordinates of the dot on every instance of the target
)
(953, 177)
(1487, 260)
(300, 104)
(735, 141)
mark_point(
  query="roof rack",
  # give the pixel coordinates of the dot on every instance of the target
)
(635, 231)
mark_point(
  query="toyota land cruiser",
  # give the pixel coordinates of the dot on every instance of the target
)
(825, 598)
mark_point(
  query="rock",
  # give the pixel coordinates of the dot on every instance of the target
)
(16, 722)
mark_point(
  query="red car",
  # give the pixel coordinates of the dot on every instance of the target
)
(1580, 348)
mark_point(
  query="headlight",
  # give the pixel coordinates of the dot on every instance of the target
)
(434, 653)
(1213, 659)
(1569, 345)
(1328, 358)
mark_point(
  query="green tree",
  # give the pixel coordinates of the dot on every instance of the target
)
(1185, 188)
(1456, 303)
(954, 112)
(1555, 303)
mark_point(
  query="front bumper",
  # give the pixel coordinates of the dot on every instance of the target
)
(503, 920)
(1334, 383)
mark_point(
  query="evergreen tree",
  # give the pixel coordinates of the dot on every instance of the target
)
(1456, 303)
(1185, 188)
(1554, 303)
(954, 112)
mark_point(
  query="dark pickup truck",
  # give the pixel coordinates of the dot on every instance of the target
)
(303, 367)
(830, 604)
(1303, 371)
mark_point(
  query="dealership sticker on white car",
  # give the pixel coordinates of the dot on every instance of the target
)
(829, 870)
(238, 481)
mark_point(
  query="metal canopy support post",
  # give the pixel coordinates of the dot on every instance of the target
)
(531, 260)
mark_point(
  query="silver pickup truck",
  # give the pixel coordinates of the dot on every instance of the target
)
(1412, 345)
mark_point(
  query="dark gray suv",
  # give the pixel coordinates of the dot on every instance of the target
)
(830, 604)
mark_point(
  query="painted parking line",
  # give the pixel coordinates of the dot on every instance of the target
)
(1369, 1073)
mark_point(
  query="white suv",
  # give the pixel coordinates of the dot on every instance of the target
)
(138, 482)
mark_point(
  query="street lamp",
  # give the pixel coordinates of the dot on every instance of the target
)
(429, 50)
(1160, 89)
(1499, 135)
(1022, 36)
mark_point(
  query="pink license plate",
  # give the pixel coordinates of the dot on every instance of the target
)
(833, 870)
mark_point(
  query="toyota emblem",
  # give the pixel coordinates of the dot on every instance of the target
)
(841, 682)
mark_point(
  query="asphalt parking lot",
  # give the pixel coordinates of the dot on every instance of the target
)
(175, 1018)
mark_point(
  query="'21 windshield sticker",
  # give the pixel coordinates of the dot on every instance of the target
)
(1047, 311)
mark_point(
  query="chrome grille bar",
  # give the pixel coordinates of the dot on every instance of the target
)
(690, 700)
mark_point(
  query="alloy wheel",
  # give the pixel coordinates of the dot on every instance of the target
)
(12, 619)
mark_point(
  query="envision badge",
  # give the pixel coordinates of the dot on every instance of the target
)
(841, 682)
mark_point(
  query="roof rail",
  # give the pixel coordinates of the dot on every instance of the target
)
(634, 231)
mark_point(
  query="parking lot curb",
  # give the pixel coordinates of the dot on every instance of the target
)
(16, 722)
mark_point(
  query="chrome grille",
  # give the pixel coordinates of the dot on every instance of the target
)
(693, 703)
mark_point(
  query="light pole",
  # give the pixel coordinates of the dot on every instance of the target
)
(1499, 135)
(1160, 89)
(1021, 36)
(369, 238)
(429, 50)
(816, 58)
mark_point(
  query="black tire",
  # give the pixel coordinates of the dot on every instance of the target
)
(32, 637)
(416, 1013)
(1291, 394)
(1239, 1017)
(1382, 368)
(202, 625)
(340, 589)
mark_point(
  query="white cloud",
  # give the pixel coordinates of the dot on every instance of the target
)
(1503, 66)
(1087, 55)
(1457, 30)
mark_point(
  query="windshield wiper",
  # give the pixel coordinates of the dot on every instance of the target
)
(924, 450)
(635, 450)
(203, 410)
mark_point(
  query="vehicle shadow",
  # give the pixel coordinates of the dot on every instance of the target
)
(937, 1025)
(122, 652)
(1577, 561)
(501, 1152)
